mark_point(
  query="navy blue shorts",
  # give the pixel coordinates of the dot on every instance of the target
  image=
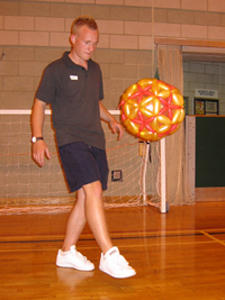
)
(83, 164)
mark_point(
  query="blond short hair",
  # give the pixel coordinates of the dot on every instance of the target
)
(83, 21)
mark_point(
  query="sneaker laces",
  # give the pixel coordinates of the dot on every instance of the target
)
(78, 255)
(120, 260)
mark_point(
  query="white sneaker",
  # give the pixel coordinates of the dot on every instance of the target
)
(74, 259)
(115, 264)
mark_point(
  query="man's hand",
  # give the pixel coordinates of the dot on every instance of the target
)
(40, 149)
(116, 128)
(113, 124)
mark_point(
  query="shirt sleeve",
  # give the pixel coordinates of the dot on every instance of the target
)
(47, 87)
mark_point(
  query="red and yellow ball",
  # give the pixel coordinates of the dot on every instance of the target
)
(152, 109)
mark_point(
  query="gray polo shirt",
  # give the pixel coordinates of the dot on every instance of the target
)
(74, 95)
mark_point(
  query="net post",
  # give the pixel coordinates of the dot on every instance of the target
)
(146, 152)
(163, 208)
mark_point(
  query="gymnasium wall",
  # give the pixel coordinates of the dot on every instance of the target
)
(33, 33)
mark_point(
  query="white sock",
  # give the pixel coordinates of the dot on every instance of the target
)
(64, 253)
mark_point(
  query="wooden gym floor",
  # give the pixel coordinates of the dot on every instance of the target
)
(178, 255)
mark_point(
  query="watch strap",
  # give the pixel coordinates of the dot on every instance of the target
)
(35, 139)
(39, 138)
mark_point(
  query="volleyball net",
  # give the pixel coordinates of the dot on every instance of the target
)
(134, 176)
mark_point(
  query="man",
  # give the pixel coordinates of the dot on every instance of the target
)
(73, 87)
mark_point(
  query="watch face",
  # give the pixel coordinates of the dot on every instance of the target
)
(33, 139)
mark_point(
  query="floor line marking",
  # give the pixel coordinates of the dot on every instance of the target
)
(211, 241)
(115, 236)
(213, 238)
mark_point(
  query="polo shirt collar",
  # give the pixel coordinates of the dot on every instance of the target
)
(71, 64)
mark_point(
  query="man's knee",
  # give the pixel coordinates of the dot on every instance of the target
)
(93, 189)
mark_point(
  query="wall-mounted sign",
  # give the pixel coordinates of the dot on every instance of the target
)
(209, 94)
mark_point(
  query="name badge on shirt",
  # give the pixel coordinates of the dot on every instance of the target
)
(73, 77)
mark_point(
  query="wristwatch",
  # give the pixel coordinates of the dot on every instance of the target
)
(34, 139)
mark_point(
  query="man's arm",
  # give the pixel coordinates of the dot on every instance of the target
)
(40, 148)
(114, 125)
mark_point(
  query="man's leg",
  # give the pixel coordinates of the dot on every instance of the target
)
(95, 215)
(76, 222)
(111, 261)
(68, 256)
